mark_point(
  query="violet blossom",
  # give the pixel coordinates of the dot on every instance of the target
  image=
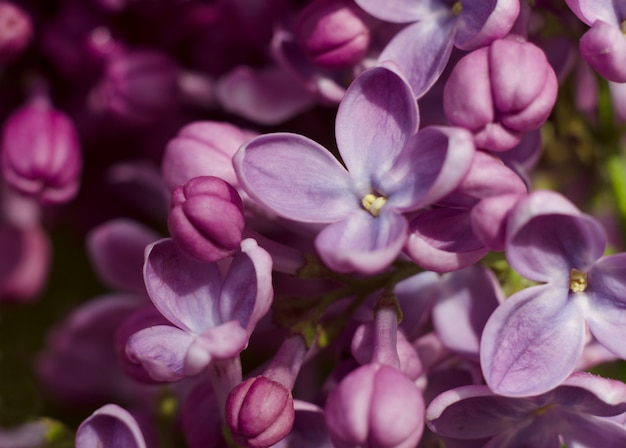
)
(212, 315)
(535, 338)
(391, 170)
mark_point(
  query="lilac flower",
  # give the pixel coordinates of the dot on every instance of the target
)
(16, 31)
(423, 47)
(110, 426)
(576, 413)
(534, 340)
(212, 316)
(603, 46)
(390, 170)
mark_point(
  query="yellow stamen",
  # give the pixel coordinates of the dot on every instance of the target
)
(457, 8)
(622, 27)
(577, 280)
(543, 409)
(373, 203)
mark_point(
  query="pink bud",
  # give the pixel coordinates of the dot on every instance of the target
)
(41, 153)
(206, 218)
(259, 412)
(333, 33)
(16, 31)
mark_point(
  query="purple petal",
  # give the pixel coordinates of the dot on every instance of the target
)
(618, 100)
(432, 165)
(532, 341)
(586, 431)
(480, 23)
(267, 97)
(585, 393)
(464, 303)
(375, 119)
(296, 178)
(222, 342)
(606, 315)
(442, 240)
(108, 427)
(422, 50)
(185, 291)
(489, 218)
(247, 292)
(402, 11)
(473, 412)
(604, 48)
(547, 236)
(361, 242)
(116, 249)
(161, 350)
(591, 10)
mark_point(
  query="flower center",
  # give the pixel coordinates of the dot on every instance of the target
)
(373, 203)
(457, 8)
(577, 280)
(622, 27)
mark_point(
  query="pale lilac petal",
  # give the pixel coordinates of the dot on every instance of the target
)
(481, 22)
(432, 165)
(618, 97)
(422, 50)
(222, 342)
(161, 350)
(547, 236)
(111, 426)
(402, 11)
(116, 249)
(296, 178)
(442, 240)
(472, 412)
(465, 301)
(185, 291)
(606, 315)
(247, 291)
(361, 242)
(268, 96)
(533, 341)
(591, 10)
(588, 431)
(375, 119)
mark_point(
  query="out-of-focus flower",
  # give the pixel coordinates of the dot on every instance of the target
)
(16, 31)
(47, 163)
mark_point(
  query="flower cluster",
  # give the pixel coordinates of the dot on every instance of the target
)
(313, 223)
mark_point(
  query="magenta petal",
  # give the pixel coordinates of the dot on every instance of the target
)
(185, 291)
(606, 315)
(247, 291)
(375, 119)
(296, 178)
(221, 342)
(108, 427)
(533, 341)
(361, 242)
(547, 236)
(591, 10)
(161, 350)
(604, 48)
(422, 50)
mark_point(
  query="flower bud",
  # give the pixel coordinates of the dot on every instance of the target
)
(604, 48)
(259, 412)
(500, 92)
(333, 33)
(16, 31)
(139, 86)
(375, 406)
(206, 218)
(46, 163)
